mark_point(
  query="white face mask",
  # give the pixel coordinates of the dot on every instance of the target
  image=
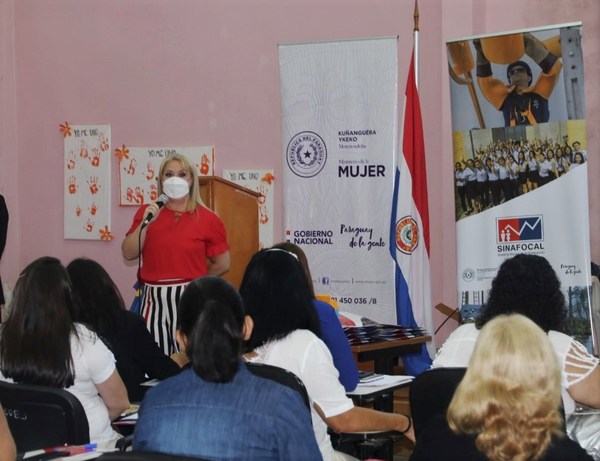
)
(176, 187)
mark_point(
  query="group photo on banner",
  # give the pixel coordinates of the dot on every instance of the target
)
(520, 163)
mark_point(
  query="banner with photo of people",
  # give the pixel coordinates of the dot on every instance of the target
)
(520, 162)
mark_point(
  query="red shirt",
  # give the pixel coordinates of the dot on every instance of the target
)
(177, 244)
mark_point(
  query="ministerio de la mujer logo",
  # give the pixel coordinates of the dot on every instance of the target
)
(407, 234)
(306, 154)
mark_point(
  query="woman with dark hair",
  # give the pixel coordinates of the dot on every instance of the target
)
(41, 345)
(100, 307)
(331, 329)
(217, 409)
(527, 284)
(578, 159)
(523, 172)
(286, 329)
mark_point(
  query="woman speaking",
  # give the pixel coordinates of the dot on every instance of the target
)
(178, 242)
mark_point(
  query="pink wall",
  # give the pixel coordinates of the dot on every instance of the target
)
(205, 72)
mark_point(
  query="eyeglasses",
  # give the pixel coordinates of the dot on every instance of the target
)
(516, 70)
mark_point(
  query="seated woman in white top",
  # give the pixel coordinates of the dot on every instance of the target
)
(40, 345)
(277, 296)
(527, 285)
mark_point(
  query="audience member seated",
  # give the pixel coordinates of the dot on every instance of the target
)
(100, 307)
(217, 409)
(40, 344)
(508, 405)
(332, 332)
(286, 334)
(527, 284)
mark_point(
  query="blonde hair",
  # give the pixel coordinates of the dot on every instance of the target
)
(511, 394)
(194, 195)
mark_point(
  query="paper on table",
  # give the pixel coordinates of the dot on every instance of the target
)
(387, 380)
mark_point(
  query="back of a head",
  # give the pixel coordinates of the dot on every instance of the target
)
(277, 296)
(96, 295)
(40, 320)
(526, 284)
(295, 249)
(211, 317)
(510, 395)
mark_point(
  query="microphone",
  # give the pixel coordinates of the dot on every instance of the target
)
(160, 202)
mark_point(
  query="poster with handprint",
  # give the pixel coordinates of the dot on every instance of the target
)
(261, 181)
(87, 181)
(139, 169)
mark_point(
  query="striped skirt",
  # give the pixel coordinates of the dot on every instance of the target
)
(159, 310)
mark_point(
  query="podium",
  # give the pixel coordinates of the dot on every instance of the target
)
(237, 206)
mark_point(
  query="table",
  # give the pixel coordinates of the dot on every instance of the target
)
(384, 353)
(381, 395)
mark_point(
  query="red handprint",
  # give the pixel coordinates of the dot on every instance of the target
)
(263, 217)
(129, 195)
(83, 152)
(71, 161)
(93, 209)
(95, 156)
(72, 184)
(150, 173)
(93, 183)
(153, 192)
(263, 195)
(139, 195)
(131, 168)
(89, 225)
(78, 211)
(204, 168)
(103, 142)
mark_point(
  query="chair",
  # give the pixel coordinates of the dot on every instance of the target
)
(41, 417)
(430, 394)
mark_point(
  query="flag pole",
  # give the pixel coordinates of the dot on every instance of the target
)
(416, 42)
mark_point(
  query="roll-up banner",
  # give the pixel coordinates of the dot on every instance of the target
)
(339, 128)
(520, 162)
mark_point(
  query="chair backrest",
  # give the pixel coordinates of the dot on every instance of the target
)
(41, 417)
(431, 392)
(280, 375)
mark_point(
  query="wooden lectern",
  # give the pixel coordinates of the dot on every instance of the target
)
(237, 207)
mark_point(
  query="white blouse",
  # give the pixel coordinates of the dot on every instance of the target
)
(576, 363)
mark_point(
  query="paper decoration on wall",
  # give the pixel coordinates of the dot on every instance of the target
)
(261, 181)
(87, 181)
(139, 168)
